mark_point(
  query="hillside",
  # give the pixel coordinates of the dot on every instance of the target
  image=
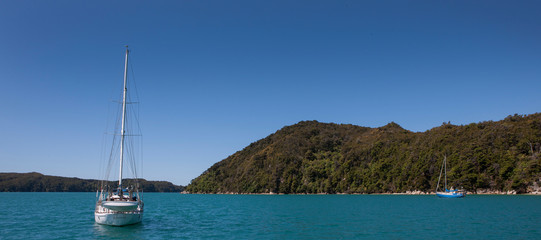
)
(314, 157)
(37, 182)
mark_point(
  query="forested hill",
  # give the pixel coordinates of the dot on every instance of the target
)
(314, 157)
(37, 182)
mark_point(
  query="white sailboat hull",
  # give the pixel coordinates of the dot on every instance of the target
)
(105, 215)
(118, 219)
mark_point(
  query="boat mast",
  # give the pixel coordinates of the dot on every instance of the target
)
(445, 167)
(439, 178)
(122, 133)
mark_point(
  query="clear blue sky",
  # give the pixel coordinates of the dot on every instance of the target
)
(215, 76)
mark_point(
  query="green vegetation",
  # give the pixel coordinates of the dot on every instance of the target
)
(313, 157)
(37, 182)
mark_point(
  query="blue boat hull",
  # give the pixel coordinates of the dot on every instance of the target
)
(450, 194)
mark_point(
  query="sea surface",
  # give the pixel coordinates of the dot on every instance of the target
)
(181, 216)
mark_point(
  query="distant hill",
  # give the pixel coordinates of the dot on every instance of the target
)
(37, 182)
(314, 157)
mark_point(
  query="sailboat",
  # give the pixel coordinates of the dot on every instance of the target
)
(123, 205)
(453, 193)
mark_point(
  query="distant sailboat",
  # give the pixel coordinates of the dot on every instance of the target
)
(453, 193)
(123, 205)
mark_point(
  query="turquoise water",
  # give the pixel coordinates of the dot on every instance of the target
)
(177, 216)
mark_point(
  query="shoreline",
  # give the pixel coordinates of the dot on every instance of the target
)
(408, 193)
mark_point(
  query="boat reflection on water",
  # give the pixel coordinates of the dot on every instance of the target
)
(133, 231)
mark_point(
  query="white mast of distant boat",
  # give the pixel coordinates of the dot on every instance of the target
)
(444, 171)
